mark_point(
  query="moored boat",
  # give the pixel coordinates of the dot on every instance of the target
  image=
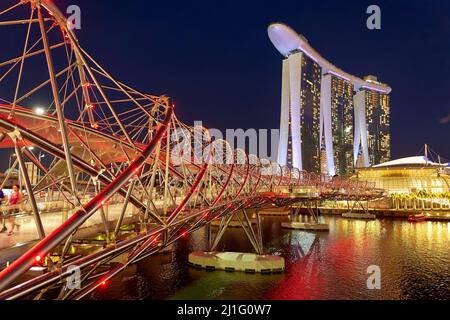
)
(416, 218)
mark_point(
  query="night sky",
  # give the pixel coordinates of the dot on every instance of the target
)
(215, 60)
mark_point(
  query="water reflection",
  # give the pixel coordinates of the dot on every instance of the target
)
(414, 261)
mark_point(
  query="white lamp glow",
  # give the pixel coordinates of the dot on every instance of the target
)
(39, 111)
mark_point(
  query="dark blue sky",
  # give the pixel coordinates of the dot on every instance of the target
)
(216, 61)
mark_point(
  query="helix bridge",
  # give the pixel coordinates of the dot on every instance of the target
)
(106, 142)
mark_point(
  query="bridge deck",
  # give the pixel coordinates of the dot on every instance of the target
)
(27, 233)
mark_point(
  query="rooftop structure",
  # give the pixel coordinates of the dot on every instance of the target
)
(410, 175)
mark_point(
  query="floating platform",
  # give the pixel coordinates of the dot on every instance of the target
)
(275, 212)
(445, 217)
(232, 224)
(366, 216)
(305, 226)
(236, 261)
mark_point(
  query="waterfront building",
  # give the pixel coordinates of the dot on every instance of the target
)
(407, 176)
(300, 110)
(323, 107)
(342, 124)
(378, 124)
(411, 183)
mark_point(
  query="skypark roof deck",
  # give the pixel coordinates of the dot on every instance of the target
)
(287, 41)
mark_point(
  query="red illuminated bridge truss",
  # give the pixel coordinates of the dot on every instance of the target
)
(105, 142)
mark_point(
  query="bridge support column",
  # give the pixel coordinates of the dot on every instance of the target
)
(250, 232)
(224, 222)
(259, 224)
(356, 215)
(236, 261)
(102, 212)
(254, 236)
(124, 209)
(313, 209)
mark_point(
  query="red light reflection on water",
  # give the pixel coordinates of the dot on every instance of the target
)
(309, 277)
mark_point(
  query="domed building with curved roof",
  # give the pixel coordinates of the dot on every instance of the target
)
(415, 182)
(408, 175)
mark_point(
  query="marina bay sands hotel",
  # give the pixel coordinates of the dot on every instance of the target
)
(331, 121)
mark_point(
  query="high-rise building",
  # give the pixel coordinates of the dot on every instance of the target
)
(378, 126)
(300, 124)
(342, 124)
(326, 112)
(310, 114)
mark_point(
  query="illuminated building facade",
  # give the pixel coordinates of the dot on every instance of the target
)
(378, 126)
(408, 176)
(300, 112)
(310, 114)
(342, 124)
(414, 183)
(325, 108)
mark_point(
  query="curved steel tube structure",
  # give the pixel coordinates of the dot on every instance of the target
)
(102, 135)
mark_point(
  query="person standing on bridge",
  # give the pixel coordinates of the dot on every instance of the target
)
(15, 199)
(2, 200)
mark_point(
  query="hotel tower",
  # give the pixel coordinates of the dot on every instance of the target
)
(331, 121)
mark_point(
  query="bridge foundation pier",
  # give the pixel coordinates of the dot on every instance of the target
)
(313, 209)
(257, 262)
(366, 215)
(283, 211)
(237, 261)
